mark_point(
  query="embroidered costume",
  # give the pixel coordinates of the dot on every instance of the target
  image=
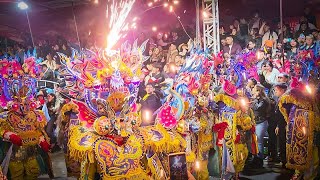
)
(24, 128)
(299, 111)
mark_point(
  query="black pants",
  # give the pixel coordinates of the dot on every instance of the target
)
(51, 126)
(282, 143)
(272, 142)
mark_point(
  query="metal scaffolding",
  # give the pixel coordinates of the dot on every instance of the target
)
(211, 37)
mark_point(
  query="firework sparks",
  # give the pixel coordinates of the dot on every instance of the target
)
(118, 11)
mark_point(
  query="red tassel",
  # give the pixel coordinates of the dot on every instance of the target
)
(45, 146)
(253, 145)
(220, 129)
(237, 141)
(253, 130)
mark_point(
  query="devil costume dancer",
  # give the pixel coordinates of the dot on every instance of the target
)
(300, 112)
(24, 129)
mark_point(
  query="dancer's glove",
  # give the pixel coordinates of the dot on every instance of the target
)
(45, 146)
(12, 137)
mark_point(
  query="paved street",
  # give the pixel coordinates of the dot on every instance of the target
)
(266, 173)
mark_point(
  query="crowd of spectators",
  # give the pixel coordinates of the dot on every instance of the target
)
(256, 33)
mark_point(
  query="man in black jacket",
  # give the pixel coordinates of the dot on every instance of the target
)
(280, 131)
(148, 105)
(48, 75)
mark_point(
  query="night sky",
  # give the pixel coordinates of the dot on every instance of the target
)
(91, 18)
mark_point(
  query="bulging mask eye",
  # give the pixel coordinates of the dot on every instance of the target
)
(33, 105)
(15, 106)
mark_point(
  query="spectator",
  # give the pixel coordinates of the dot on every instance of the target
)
(251, 46)
(55, 56)
(183, 50)
(309, 16)
(66, 49)
(232, 48)
(223, 42)
(172, 53)
(254, 35)
(148, 105)
(301, 40)
(293, 51)
(267, 34)
(303, 20)
(286, 31)
(283, 78)
(156, 76)
(48, 75)
(270, 73)
(156, 55)
(50, 63)
(260, 107)
(53, 109)
(315, 34)
(249, 87)
(179, 61)
(304, 29)
(280, 130)
(46, 48)
(243, 35)
(261, 58)
(256, 21)
(20, 54)
(160, 41)
(222, 32)
(235, 25)
(175, 39)
(309, 45)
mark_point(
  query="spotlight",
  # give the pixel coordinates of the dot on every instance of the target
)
(197, 165)
(22, 5)
(243, 102)
(308, 88)
(171, 8)
(154, 28)
(205, 14)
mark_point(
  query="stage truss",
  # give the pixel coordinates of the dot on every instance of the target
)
(211, 37)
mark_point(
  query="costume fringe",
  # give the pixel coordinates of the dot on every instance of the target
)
(229, 101)
(306, 105)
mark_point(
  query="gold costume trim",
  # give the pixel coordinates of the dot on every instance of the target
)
(81, 144)
(307, 106)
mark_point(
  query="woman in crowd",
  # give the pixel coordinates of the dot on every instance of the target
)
(254, 35)
(50, 62)
(260, 106)
(286, 31)
(304, 29)
(249, 87)
(53, 110)
(270, 73)
(267, 35)
(293, 51)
